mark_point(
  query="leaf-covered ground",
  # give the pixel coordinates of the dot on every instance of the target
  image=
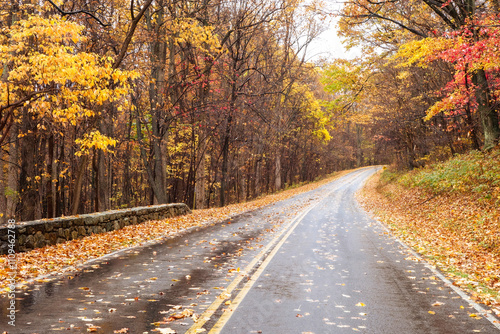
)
(449, 213)
(71, 255)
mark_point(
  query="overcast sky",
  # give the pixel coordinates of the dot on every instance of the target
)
(328, 45)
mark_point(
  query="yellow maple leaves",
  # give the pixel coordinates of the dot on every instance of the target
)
(44, 71)
(188, 30)
(313, 110)
(94, 140)
(421, 52)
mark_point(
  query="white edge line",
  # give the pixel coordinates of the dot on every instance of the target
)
(494, 321)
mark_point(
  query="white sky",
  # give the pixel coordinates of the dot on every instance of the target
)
(328, 45)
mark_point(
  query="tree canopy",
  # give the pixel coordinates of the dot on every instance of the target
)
(133, 102)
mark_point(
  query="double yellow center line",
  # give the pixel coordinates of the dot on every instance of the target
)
(271, 249)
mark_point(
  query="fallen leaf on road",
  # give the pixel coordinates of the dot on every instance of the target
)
(92, 329)
(360, 304)
(187, 312)
(176, 316)
(165, 330)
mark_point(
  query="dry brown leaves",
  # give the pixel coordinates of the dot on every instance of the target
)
(71, 255)
(458, 233)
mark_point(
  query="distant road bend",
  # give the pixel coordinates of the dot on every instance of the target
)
(315, 263)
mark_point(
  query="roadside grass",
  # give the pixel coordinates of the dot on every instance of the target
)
(70, 256)
(450, 213)
(473, 173)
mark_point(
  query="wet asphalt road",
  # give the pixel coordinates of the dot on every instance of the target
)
(314, 263)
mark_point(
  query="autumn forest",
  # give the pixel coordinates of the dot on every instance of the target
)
(119, 103)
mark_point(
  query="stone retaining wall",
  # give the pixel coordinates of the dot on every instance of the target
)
(40, 233)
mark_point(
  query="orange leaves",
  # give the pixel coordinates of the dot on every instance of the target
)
(184, 314)
(121, 331)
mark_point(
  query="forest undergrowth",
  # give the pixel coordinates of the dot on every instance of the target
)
(450, 213)
(43, 263)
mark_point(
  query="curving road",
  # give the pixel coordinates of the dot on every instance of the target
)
(315, 263)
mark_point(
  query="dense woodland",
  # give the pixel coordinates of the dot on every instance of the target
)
(119, 103)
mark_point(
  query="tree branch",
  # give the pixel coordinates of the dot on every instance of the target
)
(130, 33)
(372, 14)
(64, 13)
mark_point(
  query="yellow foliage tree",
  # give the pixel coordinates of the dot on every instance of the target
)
(46, 76)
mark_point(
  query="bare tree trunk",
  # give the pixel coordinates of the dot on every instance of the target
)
(102, 194)
(12, 191)
(277, 172)
(487, 112)
(28, 193)
(225, 162)
(158, 50)
(75, 201)
(470, 120)
(200, 184)
(3, 198)
(50, 187)
(359, 149)
(225, 143)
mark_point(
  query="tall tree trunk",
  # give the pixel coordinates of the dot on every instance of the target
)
(102, 184)
(157, 188)
(127, 178)
(12, 191)
(28, 193)
(200, 183)
(359, 149)
(487, 112)
(277, 172)
(158, 50)
(11, 185)
(258, 177)
(101, 174)
(77, 192)
(50, 187)
(225, 161)
(470, 120)
(3, 187)
(227, 137)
